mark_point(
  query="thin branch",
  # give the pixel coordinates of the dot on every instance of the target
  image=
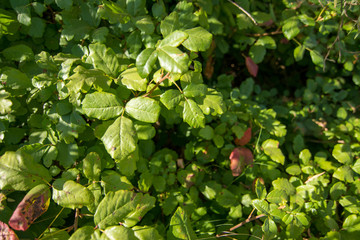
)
(265, 34)
(247, 221)
(244, 11)
(157, 85)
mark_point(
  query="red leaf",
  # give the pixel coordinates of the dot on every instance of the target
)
(6, 233)
(33, 205)
(244, 139)
(239, 158)
(251, 66)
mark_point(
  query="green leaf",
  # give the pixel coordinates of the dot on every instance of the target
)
(180, 226)
(269, 226)
(174, 39)
(136, 7)
(143, 109)
(113, 12)
(291, 28)
(76, 30)
(19, 53)
(102, 105)
(284, 184)
(337, 190)
(207, 132)
(195, 90)
(145, 131)
(8, 23)
(145, 61)
(146, 232)
(120, 138)
(113, 181)
(317, 58)
(356, 166)
(145, 182)
(70, 194)
(5, 104)
(22, 8)
(122, 206)
(261, 205)
(132, 80)
(267, 42)
(277, 196)
(192, 114)
(342, 153)
(299, 52)
(173, 60)
(213, 100)
(257, 53)
(86, 233)
(19, 172)
(67, 154)
(92, 166)
(14, 79)
(118, 232)
(170, 24)
(145, 24)
(271, 148)
(171, 98)
(260, 189)
(344, 173)
(37, 27)
(104, 58)
(199, 39)
(64, 3)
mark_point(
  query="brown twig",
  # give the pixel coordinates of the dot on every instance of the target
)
(157, 85)
(246, 221)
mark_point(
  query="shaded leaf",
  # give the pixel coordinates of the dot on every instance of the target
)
(104, 58)
(180, 226)
(92, 166)
(113, 12)
(18, 171)
(86, 233)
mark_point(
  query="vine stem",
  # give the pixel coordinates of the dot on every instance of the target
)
(244, 11)
(246, 221)
(157, 84)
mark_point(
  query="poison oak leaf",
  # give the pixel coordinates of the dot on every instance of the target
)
(244, 139)
(6, 233)
(239, 158)
(251, 66)
(33, 205)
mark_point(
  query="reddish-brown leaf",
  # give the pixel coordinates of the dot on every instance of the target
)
(6, 233)
(252, 67)
(33, 205)
(244, 139)
(239, 158)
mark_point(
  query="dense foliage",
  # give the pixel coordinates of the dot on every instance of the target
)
(137, 119)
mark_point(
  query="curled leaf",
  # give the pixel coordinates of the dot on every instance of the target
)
(244, 139)
(251, 66)
(239, 158)
(6, 233)
(33, 205)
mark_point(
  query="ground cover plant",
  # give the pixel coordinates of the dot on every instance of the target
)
(201, 119)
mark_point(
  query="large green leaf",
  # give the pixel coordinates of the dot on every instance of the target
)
(104, 58)
(86, 233)
(113, 12)
(172, 59)
(18, 171)
(195, 90)
(15, 79)
(170, 24)
(261, 205)
(146, 232)
(70, 194)
(132, 80)
(136, 7)
(120, 138)
(174, 39)
(102, 105)
(118, 232)
(143, 109)
(180, 226)
(122, 206)
(145, 24)
(19, 52)
(145, 61)
(342, 153)
(67, 154)
(199, 39)
(192, 114)
(92, 166)
(171, 98)
(271, 148)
